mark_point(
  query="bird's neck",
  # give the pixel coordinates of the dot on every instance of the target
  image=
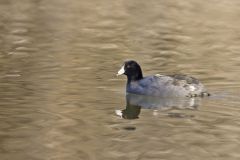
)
(135, 77)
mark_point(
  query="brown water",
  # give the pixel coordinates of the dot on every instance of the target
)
(59, 93)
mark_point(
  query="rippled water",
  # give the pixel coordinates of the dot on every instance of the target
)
(59, 92)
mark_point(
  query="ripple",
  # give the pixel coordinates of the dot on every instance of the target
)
(58, 92)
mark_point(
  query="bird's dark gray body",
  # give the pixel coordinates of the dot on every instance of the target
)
(167, 86)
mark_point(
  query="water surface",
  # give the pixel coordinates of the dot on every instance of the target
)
(59, 92)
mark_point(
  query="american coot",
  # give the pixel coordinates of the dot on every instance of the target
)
(160, 85)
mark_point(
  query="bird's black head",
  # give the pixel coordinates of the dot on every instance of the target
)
(132, 70)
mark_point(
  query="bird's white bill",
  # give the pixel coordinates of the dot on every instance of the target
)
(121, 71)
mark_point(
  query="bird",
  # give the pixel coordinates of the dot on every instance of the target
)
(164, 86)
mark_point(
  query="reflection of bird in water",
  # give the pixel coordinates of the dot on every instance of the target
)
(134, 104)
(131, 112)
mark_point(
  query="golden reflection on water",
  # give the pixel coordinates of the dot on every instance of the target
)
(58, 90)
